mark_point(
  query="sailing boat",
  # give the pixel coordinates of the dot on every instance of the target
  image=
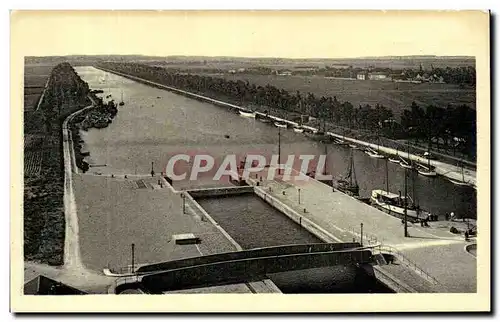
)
(460, 182)
(121, 101)
(349, 184)
(319, 135)
(407, 164)
(375, 154)
(396, 204)
(395, 160)
(426, 170)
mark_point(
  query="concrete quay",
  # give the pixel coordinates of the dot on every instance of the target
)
(444, 169)
(433, 259)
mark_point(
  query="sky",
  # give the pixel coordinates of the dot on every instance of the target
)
(312, 34)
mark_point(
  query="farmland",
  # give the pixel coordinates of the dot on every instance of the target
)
(35, 78)
(395, 96)
(43, 175)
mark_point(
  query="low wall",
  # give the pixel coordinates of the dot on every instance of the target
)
(247, 254)
(248, 269)
(215, 192)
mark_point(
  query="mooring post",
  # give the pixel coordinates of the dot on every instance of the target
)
(183, 203)
(299, 196)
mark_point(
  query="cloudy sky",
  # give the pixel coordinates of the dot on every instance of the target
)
(251, 34)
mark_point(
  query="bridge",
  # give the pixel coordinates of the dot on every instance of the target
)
(240, 266)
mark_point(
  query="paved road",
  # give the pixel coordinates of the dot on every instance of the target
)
(341, 215)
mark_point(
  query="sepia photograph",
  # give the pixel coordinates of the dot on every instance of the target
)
(250, 153)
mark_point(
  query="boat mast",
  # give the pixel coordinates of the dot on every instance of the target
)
(326, 160)
(406, 205)
(279, 150)
(386, 176)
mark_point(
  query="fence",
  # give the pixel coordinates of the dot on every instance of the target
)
(369, 240)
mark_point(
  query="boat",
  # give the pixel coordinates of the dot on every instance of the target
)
(246, 113)
(460, 182)
(395, 160)
(298, 129)
(341, 142)
(348, 183)
(121, 101)
(354, 147)
(405, 163)
(426, 170)
(394, 204)
(374, 154)
(281, 124)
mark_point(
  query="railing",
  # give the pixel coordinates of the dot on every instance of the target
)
(373, 241)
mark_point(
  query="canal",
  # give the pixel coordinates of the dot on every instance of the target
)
(254, 224)
(155, 124)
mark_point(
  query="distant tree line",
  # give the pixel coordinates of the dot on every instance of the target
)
(415, 122)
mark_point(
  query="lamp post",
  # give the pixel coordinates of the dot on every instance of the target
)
(299, 196)
(183, 203)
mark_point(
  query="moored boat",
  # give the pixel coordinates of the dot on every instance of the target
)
(394, 204)
(298, 129)
(394, 160)
(460, 182)
(281, 124)
(246, 113)
(348, 184)
(405, 163)
(374, 154)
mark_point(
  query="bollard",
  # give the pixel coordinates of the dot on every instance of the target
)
(284, 192)
(305, 210)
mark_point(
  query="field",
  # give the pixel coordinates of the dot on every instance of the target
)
(35, 78)
(395, 96)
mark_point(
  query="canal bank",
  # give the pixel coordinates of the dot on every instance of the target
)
(155, 125)
(447, 170)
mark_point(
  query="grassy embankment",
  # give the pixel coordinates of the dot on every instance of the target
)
(43, 189)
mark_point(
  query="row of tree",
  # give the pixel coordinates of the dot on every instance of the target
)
(65, 92)
(376, 119)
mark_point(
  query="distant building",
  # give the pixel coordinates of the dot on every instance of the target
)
(361, 76)
(231, 71)
(241, 70)
(378, 76)
(285, 73)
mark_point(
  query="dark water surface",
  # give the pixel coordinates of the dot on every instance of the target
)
(253, 224)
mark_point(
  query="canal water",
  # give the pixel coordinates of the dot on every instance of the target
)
(241, 214)
(155, 124)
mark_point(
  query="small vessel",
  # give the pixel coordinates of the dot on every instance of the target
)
(425, 170)
(318, 136)
(121, 101)
(341, 142)
(298, 129)
(354, 147)
(246, 113)
(394, 204)
(348, 183)
(395, 160)
(405, 163)
(374, 154)
(281, 124)
(460, 182)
